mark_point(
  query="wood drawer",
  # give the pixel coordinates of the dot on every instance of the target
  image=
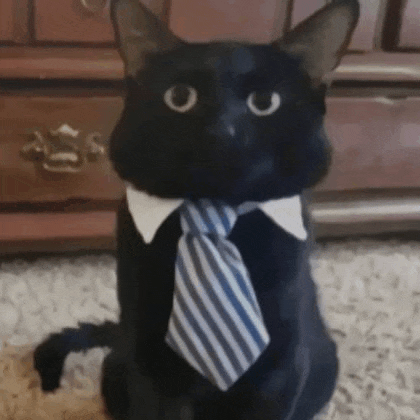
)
(79, 21)
(376, 143)
(21, 181)
(262, 21)
(73, 21)
(409, 36)
(247, 20)
(6, 20)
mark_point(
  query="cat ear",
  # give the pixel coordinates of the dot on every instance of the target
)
(321, 40)
(139, 32)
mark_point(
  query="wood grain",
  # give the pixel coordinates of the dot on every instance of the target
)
(240, 20)
(409, 36)
(62, 232)
(366, 217)
(14, 19)
(376, 139)
(60, 63)
(55, 225)
(376, 143)
(106, 64)
(55, 232)
(70, 22)
(6, 20)
(378, 66)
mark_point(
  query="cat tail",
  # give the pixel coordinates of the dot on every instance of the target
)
(50, 355)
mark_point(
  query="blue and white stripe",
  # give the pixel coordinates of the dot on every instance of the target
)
(216, 323)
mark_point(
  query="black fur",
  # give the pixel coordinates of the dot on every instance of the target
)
(194, 155)
(218, 149)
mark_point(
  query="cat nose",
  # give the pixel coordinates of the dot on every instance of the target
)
(223, 132)
(224, 127)
(229, 123)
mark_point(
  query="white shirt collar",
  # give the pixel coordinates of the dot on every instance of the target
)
(149, 212)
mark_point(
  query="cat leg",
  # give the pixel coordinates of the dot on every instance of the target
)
(125, 390)
(131, 395)
(242, 405)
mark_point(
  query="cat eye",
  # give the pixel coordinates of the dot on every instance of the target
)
(181, 98)
(263, 104)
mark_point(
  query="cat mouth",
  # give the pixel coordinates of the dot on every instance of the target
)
(254, 179)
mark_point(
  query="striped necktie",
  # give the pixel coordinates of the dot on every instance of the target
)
(216, 323)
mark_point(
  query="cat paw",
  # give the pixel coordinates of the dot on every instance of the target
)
(49, 362)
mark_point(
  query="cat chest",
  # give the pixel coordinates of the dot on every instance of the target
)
(269, 254)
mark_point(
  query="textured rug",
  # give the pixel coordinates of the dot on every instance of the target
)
(369, 293)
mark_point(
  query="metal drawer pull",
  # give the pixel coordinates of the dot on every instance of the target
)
(63, 150)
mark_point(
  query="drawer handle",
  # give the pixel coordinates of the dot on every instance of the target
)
(94, 6)
(62, 150)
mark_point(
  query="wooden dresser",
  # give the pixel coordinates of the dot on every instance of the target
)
(61, 94)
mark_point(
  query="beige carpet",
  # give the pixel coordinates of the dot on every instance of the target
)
(369, 292)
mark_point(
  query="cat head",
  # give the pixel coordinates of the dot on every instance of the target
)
(226, 120)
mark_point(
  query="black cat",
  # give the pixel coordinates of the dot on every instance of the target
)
(226, 121)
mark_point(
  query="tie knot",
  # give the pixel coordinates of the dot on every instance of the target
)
(207, 217)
